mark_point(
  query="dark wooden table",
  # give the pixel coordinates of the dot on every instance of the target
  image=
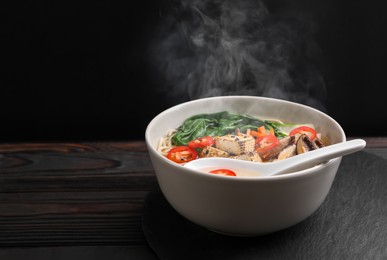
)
(80, 199)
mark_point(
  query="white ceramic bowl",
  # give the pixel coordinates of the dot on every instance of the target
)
(243, 206)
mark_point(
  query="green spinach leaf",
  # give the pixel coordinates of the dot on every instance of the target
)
(217, 124)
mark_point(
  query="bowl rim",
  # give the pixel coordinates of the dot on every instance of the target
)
(291, 175)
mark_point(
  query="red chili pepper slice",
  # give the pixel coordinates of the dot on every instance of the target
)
(265, 143)
(304, 130)
(182, 154)
(201, 142)
(225, 172)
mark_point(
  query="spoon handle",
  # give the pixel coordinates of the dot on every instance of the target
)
(312, 158)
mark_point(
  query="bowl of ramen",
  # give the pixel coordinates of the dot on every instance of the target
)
(256, 129)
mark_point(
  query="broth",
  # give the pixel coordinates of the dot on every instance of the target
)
(240, 172)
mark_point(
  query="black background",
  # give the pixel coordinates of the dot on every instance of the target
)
(79, 70)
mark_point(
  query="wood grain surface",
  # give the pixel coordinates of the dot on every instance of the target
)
(62, 194)
(72, 194)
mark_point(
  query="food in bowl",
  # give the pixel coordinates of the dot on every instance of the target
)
(243, 206)
(235, 136)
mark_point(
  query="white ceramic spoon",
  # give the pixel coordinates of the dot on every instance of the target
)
(295, 163)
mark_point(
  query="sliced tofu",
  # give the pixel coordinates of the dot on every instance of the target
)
(235, 144)
(252, 156)
(210, 151)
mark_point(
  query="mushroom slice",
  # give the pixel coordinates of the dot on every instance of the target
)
(273, 153)
(289, 151)
(284, 142)
(318, 143)
(304, 144)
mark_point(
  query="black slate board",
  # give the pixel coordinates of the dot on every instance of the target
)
(350, 224)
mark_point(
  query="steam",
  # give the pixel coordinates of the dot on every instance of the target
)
(212, 48)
